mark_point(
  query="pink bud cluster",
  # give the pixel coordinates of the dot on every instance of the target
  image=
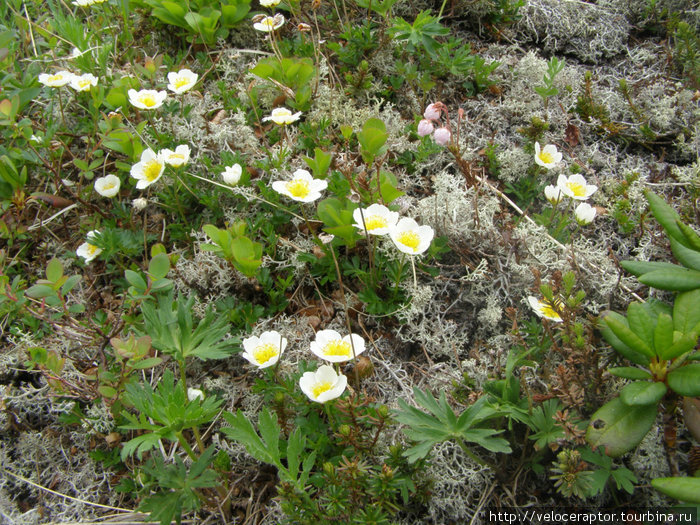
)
(430, 124)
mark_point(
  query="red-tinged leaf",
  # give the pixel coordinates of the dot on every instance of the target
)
(51, 200)
(571, 135)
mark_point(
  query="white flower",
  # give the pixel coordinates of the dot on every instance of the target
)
(194, 393)
(139, 204)
(377, 219)
(547, 157)
(442, 136)
(148, 169)
(323, 384)
(181, 81)
(282, 116)
(576, 187)
(411, 238)
(553, 194)
(83, 82)
(264, 351)
(303, 187)
(329, 345)
(89, 251)
(269, 23)
(59, 79)
(177, 158)
(585, 213)
(425, 127)
(269, 3)
(544, 309)
(432, 112)
(232, 174)
(108, 186)
(147, 98)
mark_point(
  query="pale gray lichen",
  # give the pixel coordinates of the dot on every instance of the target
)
(590, 32)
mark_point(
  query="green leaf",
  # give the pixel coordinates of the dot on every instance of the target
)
(54, 270)
(159, 266)
(70, 283)
(372, 139)
(682, 345)
(40, 291)
(686, 311)
(688, 257)
(639, 268)
(691, 236)
(685, 380)
(243, 431)
(666, 216)
(619, 327)
(641, 323)
(680, 279)
(146, 363)
(616, 342)
(663, 334)
(642, 393)
(107, 391)
(618, 428)
(320, 164)
(683, 489)
(135, 280)
(629, 372)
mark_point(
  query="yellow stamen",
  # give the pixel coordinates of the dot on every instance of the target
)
(108, 186)
(374, 222)
(263, 353)
(546, 157)
(151, 170)
(55, 78)
(181, 82)
(578, 189)
(410, 239)
(548, 311)
(320, 388)
(91, 249)
(338, 347)
(148, 100)
(298, 188)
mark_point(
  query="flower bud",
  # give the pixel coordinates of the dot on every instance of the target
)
(425, 127)
(139, 204)
(585, 213)
(432, 112)
(442, 136)
(344, 430)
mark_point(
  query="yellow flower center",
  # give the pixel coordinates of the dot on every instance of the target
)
(55, 78)
(182, 81)
(147, 100)
(578, 189)
(83, 83)
(269, 23)
(298, 188)
(374, 222)
(263, 353)
(151, 170)
(546, 157)
(91, 249)
(547, 310)
(410, 239)
(108, 186)
(320, 388)
(338, 347)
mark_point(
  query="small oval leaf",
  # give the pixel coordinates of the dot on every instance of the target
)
(685, 380)
(642, 393)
